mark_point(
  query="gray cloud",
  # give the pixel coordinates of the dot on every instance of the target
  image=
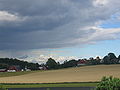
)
(33, 24)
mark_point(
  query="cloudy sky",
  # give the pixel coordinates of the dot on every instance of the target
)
(34, 30)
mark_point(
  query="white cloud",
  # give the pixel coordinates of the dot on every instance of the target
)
(5, 16)
(105, 34)
(43, 58)
(99, 34)
(38, 56)
(100, 2)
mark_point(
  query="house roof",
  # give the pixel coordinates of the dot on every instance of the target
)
(81, 62)
(14, 68)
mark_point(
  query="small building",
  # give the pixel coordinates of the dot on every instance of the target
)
(43, 68)
(3, 70)
(81, 62)
(27, 69)
(14, 69)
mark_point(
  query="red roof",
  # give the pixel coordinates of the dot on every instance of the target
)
(14, 68)
(82, 62)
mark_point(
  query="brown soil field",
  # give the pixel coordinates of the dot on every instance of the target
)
(77, 74)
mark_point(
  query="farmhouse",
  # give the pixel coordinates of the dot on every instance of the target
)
(14, 69)
(81, 62)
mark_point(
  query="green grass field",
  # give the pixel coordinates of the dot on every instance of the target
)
(88, 84)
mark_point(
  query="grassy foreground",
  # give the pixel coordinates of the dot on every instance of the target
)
(86, 84)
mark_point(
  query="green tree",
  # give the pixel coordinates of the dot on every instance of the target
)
(5, 62)
(110, 59)
(118, 58)
(106, 60)
(3, 66)
(51, 64)
(112, 56)
(93, 61)
(70, 63)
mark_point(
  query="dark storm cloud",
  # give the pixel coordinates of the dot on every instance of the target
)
(38, 14)
(33, 24)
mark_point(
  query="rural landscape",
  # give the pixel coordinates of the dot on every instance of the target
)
(78, 74)
(59, 45)
(72, 73)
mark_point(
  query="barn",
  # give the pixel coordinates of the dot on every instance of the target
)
(14, 68)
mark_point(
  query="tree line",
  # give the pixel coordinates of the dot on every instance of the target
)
(52, 64)
(108, 59)
(6, 62)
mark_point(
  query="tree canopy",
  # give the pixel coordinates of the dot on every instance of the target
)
(51, 64)
(6, 62)
(110, 59)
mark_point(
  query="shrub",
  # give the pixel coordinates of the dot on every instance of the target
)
(109, 83)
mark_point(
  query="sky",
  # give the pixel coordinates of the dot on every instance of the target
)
(35, 30)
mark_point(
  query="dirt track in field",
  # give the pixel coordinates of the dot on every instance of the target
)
(78, 74)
